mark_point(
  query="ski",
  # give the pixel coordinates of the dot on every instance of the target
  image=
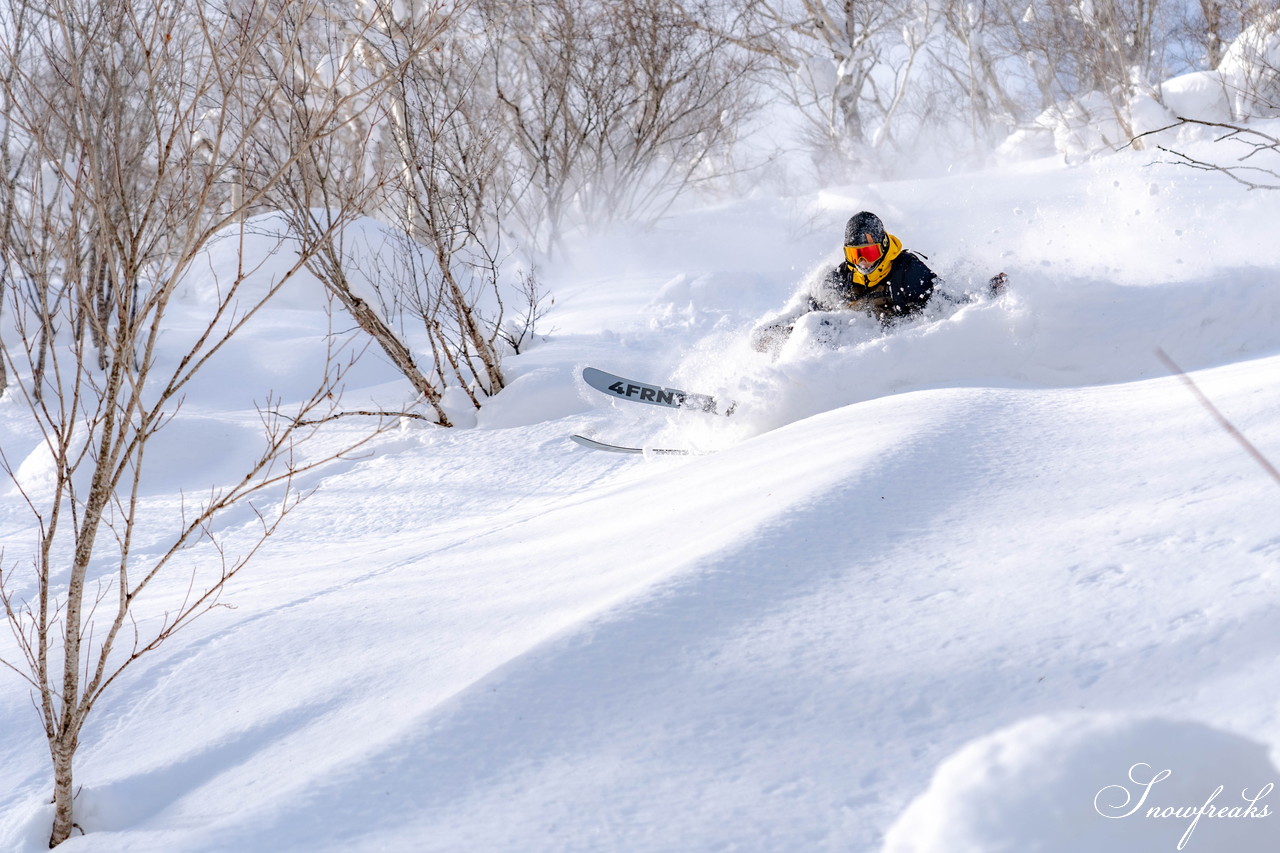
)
(617, 448)
(654, 395)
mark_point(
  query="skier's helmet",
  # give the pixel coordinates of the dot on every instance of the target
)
(865, 241)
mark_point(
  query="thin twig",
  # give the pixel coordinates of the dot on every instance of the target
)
(1254, 140)
(1218, 416)
(362, 414)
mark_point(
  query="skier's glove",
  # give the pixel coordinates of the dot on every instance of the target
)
(770, 338)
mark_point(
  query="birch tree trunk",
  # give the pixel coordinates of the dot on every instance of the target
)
(136, 134)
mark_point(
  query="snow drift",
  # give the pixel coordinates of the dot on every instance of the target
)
(912, 554)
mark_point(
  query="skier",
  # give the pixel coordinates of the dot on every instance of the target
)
(877, 276)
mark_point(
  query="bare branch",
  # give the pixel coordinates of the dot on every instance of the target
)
(1254, 142)
(1222, 419)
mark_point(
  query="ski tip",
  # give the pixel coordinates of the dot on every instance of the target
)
(635, 391)
(592, 444)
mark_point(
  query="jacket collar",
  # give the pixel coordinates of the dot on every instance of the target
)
(881, 271)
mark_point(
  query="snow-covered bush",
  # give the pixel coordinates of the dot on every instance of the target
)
(1250, 69)
(1244, 86)
(1202, 95)
(1097, 783)
(1088, 125)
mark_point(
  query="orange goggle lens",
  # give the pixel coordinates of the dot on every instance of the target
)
(866, 254)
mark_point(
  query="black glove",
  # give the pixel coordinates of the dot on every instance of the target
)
(772, 337)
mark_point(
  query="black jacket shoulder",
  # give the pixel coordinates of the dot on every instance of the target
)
(905, 290)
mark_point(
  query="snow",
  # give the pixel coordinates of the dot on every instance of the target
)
(933, 590)
(1201, 95)
(1249, 66)
(1012, 790)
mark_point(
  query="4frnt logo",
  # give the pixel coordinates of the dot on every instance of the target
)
(646, 393)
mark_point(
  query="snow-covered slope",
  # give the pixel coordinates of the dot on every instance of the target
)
(984, 528)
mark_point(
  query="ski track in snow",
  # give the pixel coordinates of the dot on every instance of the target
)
(491, 639)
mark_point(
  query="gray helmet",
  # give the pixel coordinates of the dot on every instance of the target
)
(863, 229)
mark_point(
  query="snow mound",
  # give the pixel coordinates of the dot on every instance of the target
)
(1047, 332)
(1203, 95)
(1249, 66)
(542, 394)
(192, 453)
(1101, 783)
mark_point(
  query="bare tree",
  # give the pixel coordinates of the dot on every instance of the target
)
(1212, 25)
(614, 110)
(334, 67)
(14, 25)
(1212, 33)
(853, 71)
(975, 58)
(449, 202)
(125, 123)
(425, 159)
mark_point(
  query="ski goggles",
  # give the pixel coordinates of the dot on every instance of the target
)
(864, 254)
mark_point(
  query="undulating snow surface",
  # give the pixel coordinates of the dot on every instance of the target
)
(956, 588)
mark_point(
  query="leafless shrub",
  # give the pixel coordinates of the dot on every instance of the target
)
(129, 134)
(615, 109)
(535, 303)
